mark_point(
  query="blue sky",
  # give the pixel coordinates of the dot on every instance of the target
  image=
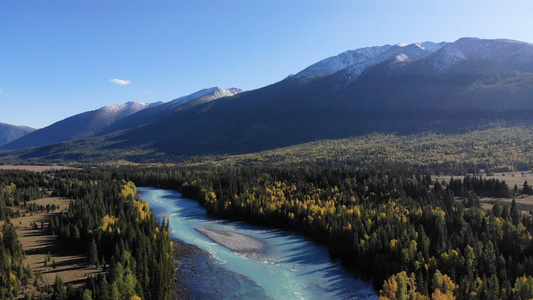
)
(59, 58)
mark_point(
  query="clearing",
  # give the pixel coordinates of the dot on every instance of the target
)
(34, 168)
(523, 202)
(39, 246)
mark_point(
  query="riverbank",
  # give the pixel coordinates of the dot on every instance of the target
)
(182, 251)
(233, 241)
(288, 266)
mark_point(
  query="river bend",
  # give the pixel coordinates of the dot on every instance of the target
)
(287, 266)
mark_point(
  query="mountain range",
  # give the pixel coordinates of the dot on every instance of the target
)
(79, 126)
(446, 87)
(10, 132)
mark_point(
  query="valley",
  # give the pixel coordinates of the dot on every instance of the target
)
(385, 171)
(266, 150)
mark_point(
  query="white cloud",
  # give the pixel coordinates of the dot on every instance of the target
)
(120, 81)
(0, 91)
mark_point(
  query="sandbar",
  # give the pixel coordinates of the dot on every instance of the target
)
(233, 241)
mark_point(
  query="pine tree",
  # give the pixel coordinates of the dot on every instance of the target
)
(92, 254)
(60, 293)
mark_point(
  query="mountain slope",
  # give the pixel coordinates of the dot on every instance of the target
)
(10, 133)
(361, 59)
(489, 82)
(152, 114)
(445, 87)
(78, 126)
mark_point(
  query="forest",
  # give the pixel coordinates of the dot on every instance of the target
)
(495, 147)
(415, 237)
(105, 221)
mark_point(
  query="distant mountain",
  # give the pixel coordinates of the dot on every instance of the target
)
(10, 133)
(109, 119)
(359, 60)
(444, 87)
(79, 126)
(152, 114)
(202, 96)
(400, 88)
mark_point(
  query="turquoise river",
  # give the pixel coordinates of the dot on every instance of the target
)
(289, 266)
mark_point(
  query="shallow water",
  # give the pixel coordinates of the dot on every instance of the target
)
(289, 266)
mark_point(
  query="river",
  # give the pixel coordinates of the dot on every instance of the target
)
(288, 266)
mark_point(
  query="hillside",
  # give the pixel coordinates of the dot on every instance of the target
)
(79, 126)
(449, 90)
(110, 119)
(164, 110)
(400, 89)
(10, 132)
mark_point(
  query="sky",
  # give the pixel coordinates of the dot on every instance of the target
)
(59, 58)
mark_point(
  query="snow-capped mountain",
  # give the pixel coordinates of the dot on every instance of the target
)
(360, 59)
(500, 51)
(128, 108)
(206, 94)
(157, 113)
(392, 88)
(79, 126)
(115, 117)
(442, 87)
(442, 56)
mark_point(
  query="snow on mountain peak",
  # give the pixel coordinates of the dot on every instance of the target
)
(342, 61)
(442, 55)
(430, 46)
(356, 61)
(219, 93)
(401, 57)
(124, 107)
(502, 51)
(208, 94)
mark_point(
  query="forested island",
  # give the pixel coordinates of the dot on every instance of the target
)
(413, 235)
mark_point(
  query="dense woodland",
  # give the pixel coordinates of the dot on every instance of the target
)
(493, 147)
(414, 236)
(105, 221)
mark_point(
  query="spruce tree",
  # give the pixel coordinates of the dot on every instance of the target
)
(92, 254)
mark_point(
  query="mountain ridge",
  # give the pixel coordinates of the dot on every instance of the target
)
(110, 118)
(9, 132)
(155, 114)
(403, 89)
(360, 59)
(82, 125)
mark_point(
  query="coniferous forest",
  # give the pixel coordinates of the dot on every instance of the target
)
(105, 221)
(414, 236)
